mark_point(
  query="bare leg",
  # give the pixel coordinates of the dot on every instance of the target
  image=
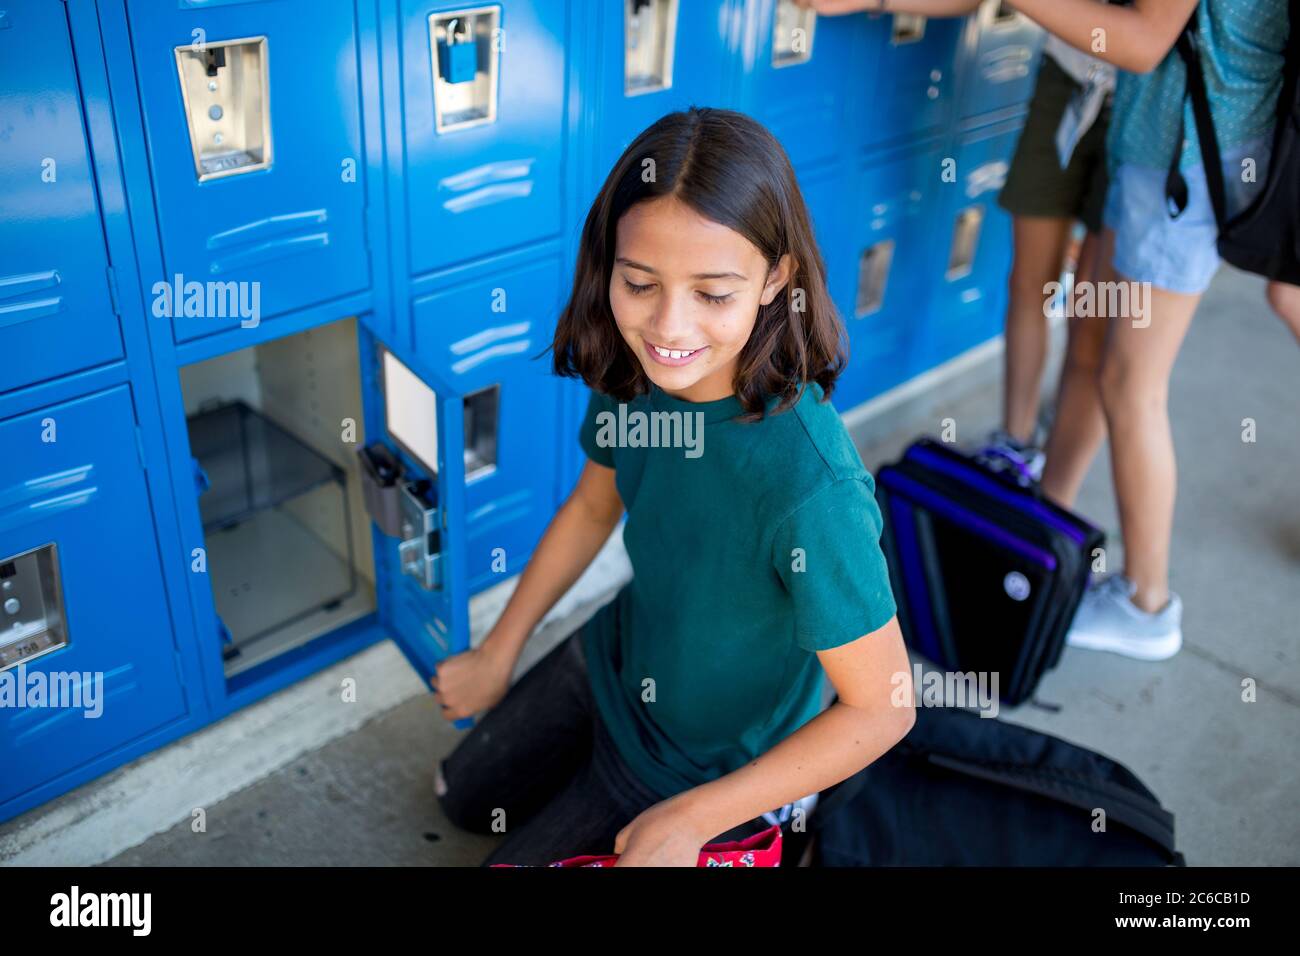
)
(1079, 427)
(1284, 299)
(1134, 390)
(1040, 243)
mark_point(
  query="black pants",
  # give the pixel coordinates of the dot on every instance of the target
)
(542, 762)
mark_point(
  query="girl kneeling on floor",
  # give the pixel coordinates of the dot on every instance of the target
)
(692, 703)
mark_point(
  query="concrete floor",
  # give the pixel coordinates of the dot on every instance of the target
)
(1228, 769)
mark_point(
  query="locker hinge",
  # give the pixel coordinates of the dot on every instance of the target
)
(139, 448)
(112, 289)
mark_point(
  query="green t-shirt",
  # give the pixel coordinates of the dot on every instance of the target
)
(752, 546)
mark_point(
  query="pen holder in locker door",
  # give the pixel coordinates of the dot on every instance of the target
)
(421, 547)
(404, 510)
(380, 472)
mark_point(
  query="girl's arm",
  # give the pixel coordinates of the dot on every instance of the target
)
(573, 538)
(1133, 38)
(928, 8)
(875, 710)
(470, 682)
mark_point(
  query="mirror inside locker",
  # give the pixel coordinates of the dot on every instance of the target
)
(466, 59)
(273, 432)
(792, 34)
(411, 416)
(31, 606)
(225, 94)
(650, 29)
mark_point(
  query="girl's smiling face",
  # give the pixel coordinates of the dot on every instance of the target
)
(685, 293)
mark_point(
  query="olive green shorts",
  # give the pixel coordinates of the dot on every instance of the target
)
(1036, 184)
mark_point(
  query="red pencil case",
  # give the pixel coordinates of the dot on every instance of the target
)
(761, 849)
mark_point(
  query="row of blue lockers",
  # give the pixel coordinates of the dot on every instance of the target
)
(274, 280)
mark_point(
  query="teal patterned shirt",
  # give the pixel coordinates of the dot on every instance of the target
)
(1242, 44)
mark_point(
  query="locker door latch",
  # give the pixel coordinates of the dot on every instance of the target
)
(226, 97)
(421, 547)
(404, 509)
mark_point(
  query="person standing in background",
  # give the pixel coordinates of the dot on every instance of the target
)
(1116, 376)
(1167, 261)
(1057, 177)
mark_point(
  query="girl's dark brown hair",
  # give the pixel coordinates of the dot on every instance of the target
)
(730, 169)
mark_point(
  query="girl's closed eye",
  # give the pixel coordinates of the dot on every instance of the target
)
(636, 289)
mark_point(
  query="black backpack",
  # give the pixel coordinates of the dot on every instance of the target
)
(1263, 238)
(965, 790)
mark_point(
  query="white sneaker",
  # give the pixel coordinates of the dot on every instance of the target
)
(1108, 620)
(1001, 451)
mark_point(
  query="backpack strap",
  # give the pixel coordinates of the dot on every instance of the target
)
(1175, 185)
(1125, 808)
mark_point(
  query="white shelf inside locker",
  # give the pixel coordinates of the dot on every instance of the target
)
(277, 584)
(251, 463)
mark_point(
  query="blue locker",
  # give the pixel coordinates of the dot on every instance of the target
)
(74, 511)
(971, 282)
(912, 90)
(252, 113)
(1002, 63)
(794, 76)
(653, 57)
(480, 160)
(483, 337)
(644, 58)
(884, 277)
(56, 310)
(824, 194)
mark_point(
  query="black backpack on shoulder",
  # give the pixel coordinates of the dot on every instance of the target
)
(966, 790)
(1263, 238)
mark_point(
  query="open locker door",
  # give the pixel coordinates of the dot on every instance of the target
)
(413, 475)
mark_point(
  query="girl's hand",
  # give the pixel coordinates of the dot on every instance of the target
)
(468, 683)
(660, 836)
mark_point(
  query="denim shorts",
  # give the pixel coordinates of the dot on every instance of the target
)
(1181, 254)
